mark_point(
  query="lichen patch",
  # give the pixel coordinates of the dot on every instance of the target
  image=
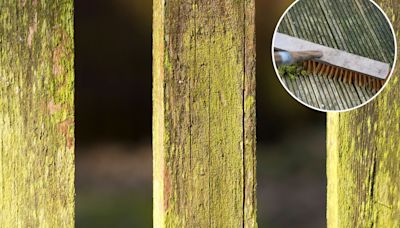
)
(53, 107)
(64, 128)
(57, 56)
(32, 31)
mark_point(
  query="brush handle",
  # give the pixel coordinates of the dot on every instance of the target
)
(287, 58)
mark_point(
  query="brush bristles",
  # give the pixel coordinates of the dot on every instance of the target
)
(343, 75)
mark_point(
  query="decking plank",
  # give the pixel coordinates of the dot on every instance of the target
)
(330, 99)
(357, 27)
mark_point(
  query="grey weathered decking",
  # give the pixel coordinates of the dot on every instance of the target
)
(327, 94)
(355, 26)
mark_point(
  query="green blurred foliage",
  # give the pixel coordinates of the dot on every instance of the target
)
(114, 209)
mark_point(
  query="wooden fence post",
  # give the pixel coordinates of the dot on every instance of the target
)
(364, 157)
(204, 113)
(36, 114)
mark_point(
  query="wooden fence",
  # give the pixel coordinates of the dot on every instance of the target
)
(363, 163)
(36, 114)
(204, 114)
(204, 122)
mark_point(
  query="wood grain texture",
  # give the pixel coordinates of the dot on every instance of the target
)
(326, 93)
(357, 27)
(36, 114)
(364, 157)
(204, 113)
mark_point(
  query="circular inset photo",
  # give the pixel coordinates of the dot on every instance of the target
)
(334, 55)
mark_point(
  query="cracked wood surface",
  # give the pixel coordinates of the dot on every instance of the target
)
(204, 113)
(36, 114)
(363, 162)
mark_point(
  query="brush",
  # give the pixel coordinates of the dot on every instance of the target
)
(336, 64)
(344, 75)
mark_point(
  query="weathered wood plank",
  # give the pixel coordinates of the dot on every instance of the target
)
(307, 91)
(326, 94)
(36, 114)
(354, 99)
(250, 183)
(363, 161)
(360, 94)
(315, 88)
(337, 95)
(204, 114)
(287, 82)
(322, 92)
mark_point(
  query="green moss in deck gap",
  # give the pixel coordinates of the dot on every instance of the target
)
(292, 71)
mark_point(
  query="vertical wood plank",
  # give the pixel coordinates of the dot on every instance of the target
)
(363, 163)
(36, 114)
(204, 113)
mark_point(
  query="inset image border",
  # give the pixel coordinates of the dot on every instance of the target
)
(327, 110)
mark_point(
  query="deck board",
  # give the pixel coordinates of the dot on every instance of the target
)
(327, 94)
(357, 27)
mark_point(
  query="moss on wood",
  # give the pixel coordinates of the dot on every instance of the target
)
(204, 114)
(364, 157)
(36, 114)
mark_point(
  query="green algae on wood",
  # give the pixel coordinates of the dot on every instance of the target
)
(363, 157)
(204, 113)
(36, 114)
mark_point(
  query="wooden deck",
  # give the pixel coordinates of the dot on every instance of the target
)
(357, 27)
(327, 94)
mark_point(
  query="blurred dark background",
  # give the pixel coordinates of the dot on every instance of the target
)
(113, 124)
